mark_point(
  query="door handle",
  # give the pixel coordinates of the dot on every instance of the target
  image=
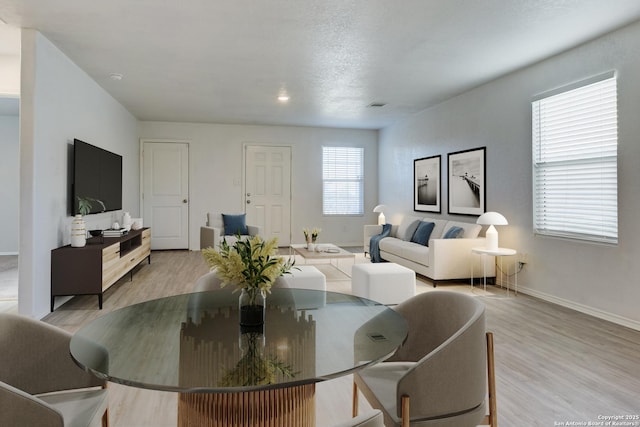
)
(184, 200)
(248, 194)
(248, 202)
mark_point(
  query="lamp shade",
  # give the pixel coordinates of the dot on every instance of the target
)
(492, 218)
(381, 219)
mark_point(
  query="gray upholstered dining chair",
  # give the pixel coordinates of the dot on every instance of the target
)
(40, 384)
(441, 373)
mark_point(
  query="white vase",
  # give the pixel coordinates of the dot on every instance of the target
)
(78, 232)
(126, 221)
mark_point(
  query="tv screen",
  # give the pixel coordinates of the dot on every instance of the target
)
(97, 176)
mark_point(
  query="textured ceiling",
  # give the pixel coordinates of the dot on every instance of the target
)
(226, 61)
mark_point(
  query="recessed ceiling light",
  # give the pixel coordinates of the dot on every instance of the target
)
(283, 97)
(115, 76)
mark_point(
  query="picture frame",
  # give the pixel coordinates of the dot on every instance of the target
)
(427, 184)
(467, 181)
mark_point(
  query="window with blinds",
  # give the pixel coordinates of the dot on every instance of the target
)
(575, 162)
(342, 181)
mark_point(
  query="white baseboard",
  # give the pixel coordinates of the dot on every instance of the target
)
(8, 253)
(600, 314)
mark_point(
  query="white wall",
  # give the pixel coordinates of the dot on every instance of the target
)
(9, 184)
(216, 167)
(60, 102)
(9, 74)
(593, 278)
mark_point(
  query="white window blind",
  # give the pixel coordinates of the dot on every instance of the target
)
(342, 180)
(575, 162)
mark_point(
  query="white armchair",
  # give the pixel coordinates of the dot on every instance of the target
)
(213, 233)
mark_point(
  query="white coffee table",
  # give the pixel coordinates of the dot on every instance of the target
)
(324, 251)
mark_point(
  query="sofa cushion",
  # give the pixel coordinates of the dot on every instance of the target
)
(422, 233)
(407, 227)
(438, 229)
(454, 232)
(235, 224)
(471, 230)
(392, 245)
(415, 252)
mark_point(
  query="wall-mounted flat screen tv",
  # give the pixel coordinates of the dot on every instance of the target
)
(97, 176)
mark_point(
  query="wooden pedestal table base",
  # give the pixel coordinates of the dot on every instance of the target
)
(281, 407)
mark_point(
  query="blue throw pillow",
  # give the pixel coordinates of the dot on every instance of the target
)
(234, 224)
(422, 233)
(454, 233)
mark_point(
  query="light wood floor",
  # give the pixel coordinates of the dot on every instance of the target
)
(553, 365)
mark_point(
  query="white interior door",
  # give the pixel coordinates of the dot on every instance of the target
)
(165, 193)
(268, 190)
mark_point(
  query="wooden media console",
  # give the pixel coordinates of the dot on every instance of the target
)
(92, 269)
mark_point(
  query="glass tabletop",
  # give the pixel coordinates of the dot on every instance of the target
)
(194, 343)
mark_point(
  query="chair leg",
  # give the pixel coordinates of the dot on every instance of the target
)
(354, 407)
(105, 416)
(492, 418)
(406, 419)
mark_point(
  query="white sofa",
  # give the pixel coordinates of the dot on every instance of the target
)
(443, 259)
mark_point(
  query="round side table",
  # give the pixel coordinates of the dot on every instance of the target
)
(500, 253)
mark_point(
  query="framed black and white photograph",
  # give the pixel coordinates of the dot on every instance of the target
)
(467, 182)
(427, 184)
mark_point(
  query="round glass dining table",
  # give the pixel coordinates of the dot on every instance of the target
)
(228, 375)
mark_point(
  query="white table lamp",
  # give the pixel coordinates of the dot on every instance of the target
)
(381, 219)
(491, 219)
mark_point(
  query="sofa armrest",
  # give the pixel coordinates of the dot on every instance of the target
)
(370, 231)
(453, 259)
(461, 359)
(20, 408)
(209, 237)
(254, 230)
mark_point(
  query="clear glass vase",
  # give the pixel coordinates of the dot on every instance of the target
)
(252, 303)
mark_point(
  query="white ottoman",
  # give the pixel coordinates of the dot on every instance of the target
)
(385, 282)
(306, 277)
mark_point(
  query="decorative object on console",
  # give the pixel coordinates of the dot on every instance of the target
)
(78, 232)
(114, 232)
(126, 221)
(427, 184)
(136, 223)
(252, 265)
(78, 226)
(381, 219)
(467, 182)
(491, 219)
